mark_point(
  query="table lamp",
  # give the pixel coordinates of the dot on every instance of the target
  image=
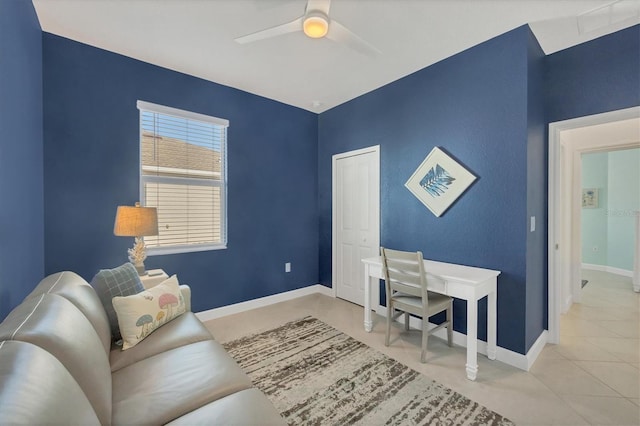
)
(136, 222)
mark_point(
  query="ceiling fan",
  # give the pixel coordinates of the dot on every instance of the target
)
(315, 23)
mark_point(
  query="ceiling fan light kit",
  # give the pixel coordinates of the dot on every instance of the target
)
(315, 25)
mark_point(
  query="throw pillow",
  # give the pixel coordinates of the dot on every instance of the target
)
(139, 315)
(109, 283)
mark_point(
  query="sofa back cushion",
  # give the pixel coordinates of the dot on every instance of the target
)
(74, 288)
(109, 283)
(54, 324)
(140, 314)
(35, 388)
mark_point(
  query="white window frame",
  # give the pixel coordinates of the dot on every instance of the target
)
(161, 109)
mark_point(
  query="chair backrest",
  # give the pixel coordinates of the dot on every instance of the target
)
(404, 272)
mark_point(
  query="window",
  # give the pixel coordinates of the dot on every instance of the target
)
(183, 174)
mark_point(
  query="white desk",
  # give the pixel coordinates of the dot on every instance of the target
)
(462, 282)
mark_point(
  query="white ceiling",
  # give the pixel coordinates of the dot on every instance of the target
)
(196, 37)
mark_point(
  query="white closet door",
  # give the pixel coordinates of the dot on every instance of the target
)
(357, 220)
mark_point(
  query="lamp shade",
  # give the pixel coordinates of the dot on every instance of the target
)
(136, 221)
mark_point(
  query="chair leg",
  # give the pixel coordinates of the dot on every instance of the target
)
(406, 321)
(450, 325)
(389, 319)
(425, 339)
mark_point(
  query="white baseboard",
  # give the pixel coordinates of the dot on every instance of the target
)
(610, 269)
(536, 348)
(514, 359)
(262, 301)
(567, 304)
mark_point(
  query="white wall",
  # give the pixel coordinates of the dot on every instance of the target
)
(595, 173)
(610, 227)
(622, 207)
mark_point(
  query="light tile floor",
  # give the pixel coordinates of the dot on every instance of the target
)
(591, 377)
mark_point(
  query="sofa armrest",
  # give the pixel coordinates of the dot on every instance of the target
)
(186, 294)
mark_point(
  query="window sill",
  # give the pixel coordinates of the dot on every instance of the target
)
(157, 251)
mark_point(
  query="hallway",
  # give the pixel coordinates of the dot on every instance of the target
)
(595, 368)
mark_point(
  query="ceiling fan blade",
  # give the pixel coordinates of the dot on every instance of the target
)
(289, 27)
(338, 32)
(318, 5)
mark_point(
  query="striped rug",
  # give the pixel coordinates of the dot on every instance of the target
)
(316, 375)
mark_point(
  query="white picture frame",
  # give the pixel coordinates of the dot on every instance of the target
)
(439, 181)
(590, 198)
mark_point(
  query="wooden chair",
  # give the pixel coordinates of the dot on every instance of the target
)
(406, 289)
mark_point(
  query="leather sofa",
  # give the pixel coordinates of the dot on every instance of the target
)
(58, 365)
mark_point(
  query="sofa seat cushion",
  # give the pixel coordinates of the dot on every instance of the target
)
(247, 407)
(168, 385)
(184, 330)
(35, 388)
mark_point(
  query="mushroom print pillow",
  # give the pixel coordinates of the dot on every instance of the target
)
(140, 314)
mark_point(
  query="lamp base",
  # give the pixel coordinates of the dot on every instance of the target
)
(141, 271)
(137, 255)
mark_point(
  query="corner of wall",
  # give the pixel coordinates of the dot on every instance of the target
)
(21, 178)
(537, 171)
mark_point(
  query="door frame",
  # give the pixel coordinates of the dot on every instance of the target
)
(565, 170)
(375, 150)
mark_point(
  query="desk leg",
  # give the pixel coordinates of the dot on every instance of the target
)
(368, 322)
(472, 339)
(492, 321)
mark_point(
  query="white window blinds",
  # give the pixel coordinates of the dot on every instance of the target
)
(183, 175)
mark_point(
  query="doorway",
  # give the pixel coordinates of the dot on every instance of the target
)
(565, 198)
(355, 219)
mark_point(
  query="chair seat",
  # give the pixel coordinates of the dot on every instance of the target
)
(437, 302)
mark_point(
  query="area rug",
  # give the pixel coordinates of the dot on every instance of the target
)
(317, 375)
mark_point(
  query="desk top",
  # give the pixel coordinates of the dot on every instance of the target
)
(447, 271)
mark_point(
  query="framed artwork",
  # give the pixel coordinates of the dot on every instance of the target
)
(590, 198)
(439, 181)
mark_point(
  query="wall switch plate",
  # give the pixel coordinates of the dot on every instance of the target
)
(287, 267)
(532, 227)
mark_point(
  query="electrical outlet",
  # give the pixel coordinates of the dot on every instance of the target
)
(287, 267)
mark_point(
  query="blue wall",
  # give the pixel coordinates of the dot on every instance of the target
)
(489, 107)
(594, 77)
(474, 106)
(21, 193)
(483, 106)
(536, 164)
(92, 156)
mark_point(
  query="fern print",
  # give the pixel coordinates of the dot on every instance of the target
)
(436, 181)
